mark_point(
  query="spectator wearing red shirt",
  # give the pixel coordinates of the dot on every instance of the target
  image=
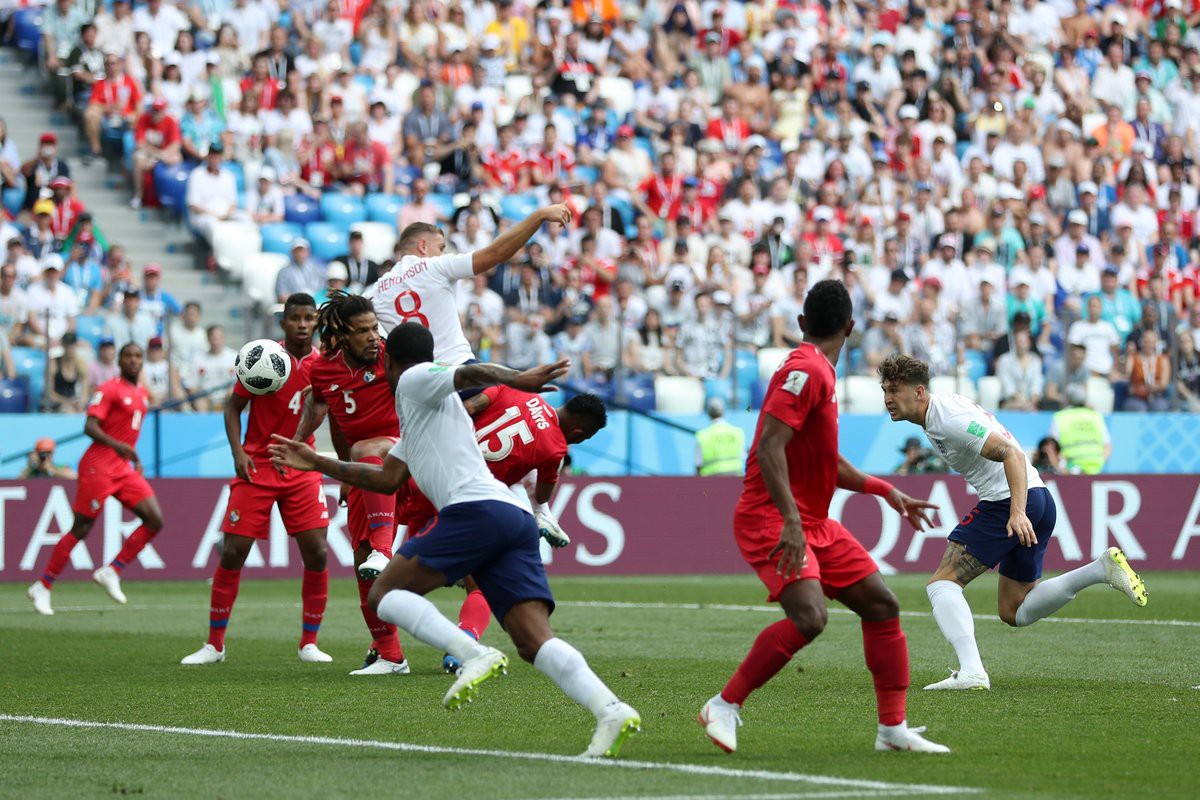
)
(365, 165)
(550, 162)
(729, 128)
(261, 82)
(691, 205)
(822, 239)
(114, 104)
(729, 37)
(67, 207)
(156, 139)
(659, 193)
(318, 159)
(504, 164)
(595, 272)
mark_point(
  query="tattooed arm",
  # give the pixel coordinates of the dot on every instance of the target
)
(999, 449)
(385, 479)
(472, 376)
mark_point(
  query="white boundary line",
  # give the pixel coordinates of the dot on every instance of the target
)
(406, 747)
(772, 796)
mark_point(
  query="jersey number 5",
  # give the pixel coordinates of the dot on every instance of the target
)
(507, 433)
(408, 306)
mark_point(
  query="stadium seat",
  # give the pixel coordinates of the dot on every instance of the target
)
(14, 198)
(327, 239)
(950, 384)
(863, 395)
(278, 237)
(342, 209)
(1100, 395)
(977, 364)
(639, 396)
(30, 364)
(989, 392)
(758, 393)
(679, 395)
(718, 387)
(233, 242)
(378, 239)
(301, 209)
(90, 329)
(258, 276)
(384, 208)
(769, 359)
(586, 175)
(27, 30)
(170, 184)
(619, 93)
(14, 396)
(516, 207)
(239, 174)
(445, 203)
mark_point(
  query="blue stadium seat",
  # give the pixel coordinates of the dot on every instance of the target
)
(758, 393)
(90, 329)
(626, 208)
(343, 209)
(170, 183)
(31, 365)
(977, 365)
(27, 29)
(128, 145)
(640, 398)
(301, 209)
(718, 387)
(516, 207)
(384, 207)
(14, 396)
(278, 237)
(586, 174)
(444, 203)
(13, 199)
(239, 174)
(327, 239)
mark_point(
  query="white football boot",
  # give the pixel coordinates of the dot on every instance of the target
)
(369, 570)
(381, 666)
(108, 578)
(205, 655)
(312, 654)
(1121, 576)
(618, 721)
(721, 720)
(473, 672)
(962, 681)
(40, 595)
(908, 740)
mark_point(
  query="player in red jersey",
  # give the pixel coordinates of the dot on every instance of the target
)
(109, 468)
(520, 435)
(349, 384)
(259, 486)
(783, 529)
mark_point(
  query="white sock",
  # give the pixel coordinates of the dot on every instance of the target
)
(1051, 595)
(421, 619)
(953, 616)
(892, 731)
(567, 667)
(721, 702)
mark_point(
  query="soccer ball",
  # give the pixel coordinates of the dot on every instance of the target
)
(262, 366)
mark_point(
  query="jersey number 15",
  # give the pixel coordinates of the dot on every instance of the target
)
(508, 429)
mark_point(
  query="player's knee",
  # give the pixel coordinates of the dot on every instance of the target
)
(365, 449)
(810, 620)
(315, 557)
(1008, 616)
(886, 606)
(82, 527)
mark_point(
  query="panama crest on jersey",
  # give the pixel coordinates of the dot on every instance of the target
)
(234, 516)
(368, 376)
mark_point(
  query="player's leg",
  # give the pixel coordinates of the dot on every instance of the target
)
(39, 590)
(134, 493)
(473, 617)
(225, 584)
(886, 650)
(953, 614)
(379, 509)
(314, 592)
(386, 656)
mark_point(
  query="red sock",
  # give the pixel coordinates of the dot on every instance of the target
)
(133, 545)
(771, 652)
(886, 650)
(58, 559)
(314, 592)
(224, 593)
(474, 615)
(384, 637)
(380, 513)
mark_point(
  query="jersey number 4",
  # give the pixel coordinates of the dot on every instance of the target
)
(408, 306)
(508, 429)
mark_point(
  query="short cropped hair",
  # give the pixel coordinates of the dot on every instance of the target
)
(827, 309)
(904, 369)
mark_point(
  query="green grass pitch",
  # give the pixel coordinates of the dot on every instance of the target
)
(1078, 708)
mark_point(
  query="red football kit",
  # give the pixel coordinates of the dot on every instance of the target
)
(120, 406)
(519, 433)
(299, 495)
(802, 394)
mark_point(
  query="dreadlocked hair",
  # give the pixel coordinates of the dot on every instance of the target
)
(334, 315)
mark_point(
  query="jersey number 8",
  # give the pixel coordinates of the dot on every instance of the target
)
(411, 313)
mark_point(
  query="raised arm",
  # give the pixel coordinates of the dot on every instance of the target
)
(997, 448)
(508, 243)
(852, 479)
(382, 479)
(472, 376)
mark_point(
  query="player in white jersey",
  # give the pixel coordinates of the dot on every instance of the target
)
(1010, 527)
(421, 286)
(480, 530)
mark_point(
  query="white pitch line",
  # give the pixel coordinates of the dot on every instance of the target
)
(788, 796)
(407, 747)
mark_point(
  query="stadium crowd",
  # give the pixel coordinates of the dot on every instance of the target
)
(1007, 188)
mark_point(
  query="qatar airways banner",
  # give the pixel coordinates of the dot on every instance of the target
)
(624, 526)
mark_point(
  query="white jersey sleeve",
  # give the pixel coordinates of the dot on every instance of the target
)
(958, 428)
(427, 384)
(453, 267)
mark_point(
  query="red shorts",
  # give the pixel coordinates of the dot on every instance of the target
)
(300, 497)
(835, 557)
(99, 482)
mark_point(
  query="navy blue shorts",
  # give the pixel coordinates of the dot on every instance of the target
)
(494, 542)
(984, 531)
(467, 394)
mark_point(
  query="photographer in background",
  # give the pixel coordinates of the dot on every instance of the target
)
(919, 460)
(1048, 460)
(41, 462)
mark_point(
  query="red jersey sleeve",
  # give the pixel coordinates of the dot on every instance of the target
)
(792, 396)
(101, 403)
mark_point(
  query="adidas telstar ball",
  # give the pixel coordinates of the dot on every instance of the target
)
(263, 366)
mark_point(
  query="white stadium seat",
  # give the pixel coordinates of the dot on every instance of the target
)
(949, 384)
(258, 277)
(619, 93)
(989, 392)
(678, 395)
(1100, 394)
(516, 89)
(233, 242)
(864, 395)
(378, 239)
(769, 359)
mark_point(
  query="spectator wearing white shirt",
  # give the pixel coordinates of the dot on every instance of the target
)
(948, 269)
(302, 275)
(114, 29)
(1020, 374)
(252, 23)
(53, 305)
(213, 370)
(162, 21)
(1078, 278)
(265, 203)
(14, 306)
(1098, 337)
(188, 341)
(130, 323)
(212, 195)
(878, 71)
(896, 300)
(1113, 83)
(286, 115)
(482, 307)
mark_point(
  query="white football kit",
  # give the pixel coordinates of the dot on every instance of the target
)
(423, 290)
(957, 428)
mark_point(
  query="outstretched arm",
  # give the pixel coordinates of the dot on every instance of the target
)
(853, 479)
(997, 448)
(538, 379)
(508, 243)
(385, 479)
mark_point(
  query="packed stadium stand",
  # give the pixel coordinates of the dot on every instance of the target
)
(1009, 191)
